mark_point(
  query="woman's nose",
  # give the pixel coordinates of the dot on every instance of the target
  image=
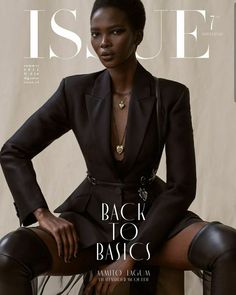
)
(105, 42)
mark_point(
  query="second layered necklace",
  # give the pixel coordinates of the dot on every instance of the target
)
(121, 106)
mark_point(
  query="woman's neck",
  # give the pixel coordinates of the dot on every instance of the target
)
(123, 75)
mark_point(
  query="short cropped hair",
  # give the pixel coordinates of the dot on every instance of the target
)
(134, 10)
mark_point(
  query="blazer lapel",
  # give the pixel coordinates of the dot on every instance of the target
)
(140, 109)
(99, 106)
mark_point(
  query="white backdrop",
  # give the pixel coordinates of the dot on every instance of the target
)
(61, 167)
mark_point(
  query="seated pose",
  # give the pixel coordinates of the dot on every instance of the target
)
(122, 216)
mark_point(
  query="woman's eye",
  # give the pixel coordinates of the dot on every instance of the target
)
(117, 32)
(94, 34)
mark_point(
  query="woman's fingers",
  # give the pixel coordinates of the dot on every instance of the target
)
(65, 235)
(90, 285)
(111, 288)
(76, 240)
(65, 243)
(62, 230)
(73, 240)
(102, 287)
(59, 243)
(69, 240)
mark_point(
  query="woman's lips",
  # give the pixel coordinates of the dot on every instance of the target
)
(107, 56)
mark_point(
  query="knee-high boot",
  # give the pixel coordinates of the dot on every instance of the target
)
(23, 256)
(213, 249)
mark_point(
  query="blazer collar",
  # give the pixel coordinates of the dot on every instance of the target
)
(99, 104)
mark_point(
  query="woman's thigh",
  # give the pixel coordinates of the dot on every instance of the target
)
(174, 253)
(85, 261)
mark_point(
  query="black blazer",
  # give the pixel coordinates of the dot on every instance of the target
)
(83, 103)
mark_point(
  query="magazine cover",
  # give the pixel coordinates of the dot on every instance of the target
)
(117, 147)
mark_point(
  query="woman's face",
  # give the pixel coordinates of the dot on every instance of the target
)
(112, 37)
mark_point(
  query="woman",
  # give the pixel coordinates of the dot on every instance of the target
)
(113, 114)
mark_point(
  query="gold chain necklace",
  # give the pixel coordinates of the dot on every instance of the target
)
(119, 147)
(122, 104)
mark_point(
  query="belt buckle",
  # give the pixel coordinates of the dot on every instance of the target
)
(143, 194)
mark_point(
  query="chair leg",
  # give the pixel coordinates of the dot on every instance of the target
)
(206, 282)
(34, 285)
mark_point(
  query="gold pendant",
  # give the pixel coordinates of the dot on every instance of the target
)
(119, 149)
(143, 194)
(121, 105)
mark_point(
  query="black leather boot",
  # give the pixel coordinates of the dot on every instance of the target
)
(23, 256)
(213, 249)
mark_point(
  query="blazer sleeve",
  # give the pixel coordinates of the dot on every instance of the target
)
(168, 208)
(49, 122)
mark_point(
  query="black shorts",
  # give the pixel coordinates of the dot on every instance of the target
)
(189, 218)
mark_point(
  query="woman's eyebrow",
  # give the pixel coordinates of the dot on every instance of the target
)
(109, 28)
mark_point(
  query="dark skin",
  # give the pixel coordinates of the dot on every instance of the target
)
(115, 43)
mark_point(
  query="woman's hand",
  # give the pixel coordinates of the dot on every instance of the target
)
(62, 230)
(105, 284)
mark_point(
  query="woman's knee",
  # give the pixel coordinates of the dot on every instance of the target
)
(11, 271)
(214, 243)
(24, 249)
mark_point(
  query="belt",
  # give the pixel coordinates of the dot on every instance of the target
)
(140, 184)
